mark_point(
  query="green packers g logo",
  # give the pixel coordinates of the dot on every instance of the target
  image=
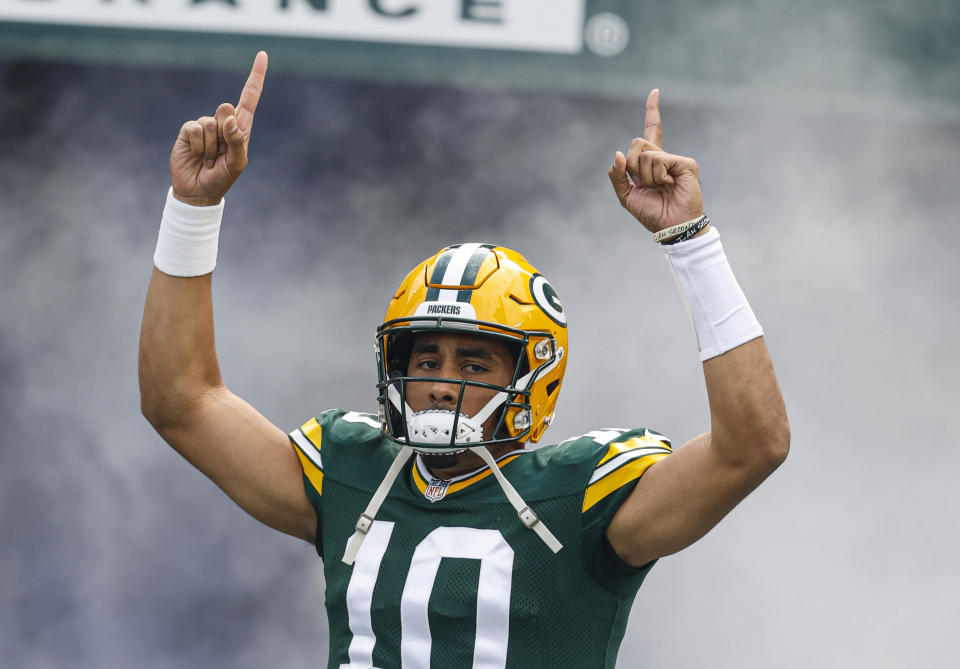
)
(548, 301)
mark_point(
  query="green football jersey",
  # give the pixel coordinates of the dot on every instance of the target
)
(448, 576)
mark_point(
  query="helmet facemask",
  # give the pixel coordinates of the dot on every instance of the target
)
(438, 431)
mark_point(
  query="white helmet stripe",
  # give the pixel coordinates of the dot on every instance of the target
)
(453, 276)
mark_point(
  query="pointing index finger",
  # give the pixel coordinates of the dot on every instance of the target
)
(652, 127)
(250, 95)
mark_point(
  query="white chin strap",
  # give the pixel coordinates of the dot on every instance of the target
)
(527, 515)
(365, 521)
(524, 512)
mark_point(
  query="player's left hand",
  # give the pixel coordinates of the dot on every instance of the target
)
(660, 189)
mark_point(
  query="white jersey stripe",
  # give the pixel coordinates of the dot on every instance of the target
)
(658, 436)
(623, 458)
(307, 448)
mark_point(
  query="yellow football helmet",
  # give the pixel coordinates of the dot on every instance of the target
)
(491, 291)
(488, 291)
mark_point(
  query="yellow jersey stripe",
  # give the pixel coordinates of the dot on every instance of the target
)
(618, 478)
(312, 431)
(307, 441)
(313, 474)
(418, 480)
(618, 447)
(460, 485)
(421, 483)
(622, 459)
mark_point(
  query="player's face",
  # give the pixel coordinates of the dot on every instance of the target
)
(455, 356)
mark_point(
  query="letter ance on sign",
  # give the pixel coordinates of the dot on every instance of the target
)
(529, 25)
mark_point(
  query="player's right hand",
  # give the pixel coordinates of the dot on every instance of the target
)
(660, 189)
(211, 152)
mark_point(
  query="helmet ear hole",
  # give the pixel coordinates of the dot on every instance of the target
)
(552, 386)
(397, 422)
(399, 346)
(520, 359)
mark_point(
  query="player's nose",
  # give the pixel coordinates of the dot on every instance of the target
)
(443, 394)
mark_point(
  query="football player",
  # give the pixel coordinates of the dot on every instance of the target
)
(446, 541)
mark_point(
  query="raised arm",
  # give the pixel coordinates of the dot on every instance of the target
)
(680, 498)
(182, 394)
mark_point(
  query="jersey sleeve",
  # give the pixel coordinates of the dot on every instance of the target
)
(337, 445)
(622, 461)
(307, 441)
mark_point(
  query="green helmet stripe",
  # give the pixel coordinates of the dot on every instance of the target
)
(471, 270)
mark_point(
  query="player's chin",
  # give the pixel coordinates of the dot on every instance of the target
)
(443, 460)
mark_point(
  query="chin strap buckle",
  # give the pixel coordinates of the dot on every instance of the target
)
(364, 523)
(528, 517)
(524, 512)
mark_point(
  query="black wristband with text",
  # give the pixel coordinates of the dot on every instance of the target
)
(682, 232)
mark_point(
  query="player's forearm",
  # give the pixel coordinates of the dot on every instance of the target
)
(178, 361)
(749, 427)
(748, 420)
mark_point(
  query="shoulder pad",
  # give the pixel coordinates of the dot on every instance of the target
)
(349, 426)
(348, 447)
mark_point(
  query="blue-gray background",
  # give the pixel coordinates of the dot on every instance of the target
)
(839, 214)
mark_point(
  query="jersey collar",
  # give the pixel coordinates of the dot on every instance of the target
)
(435, 489)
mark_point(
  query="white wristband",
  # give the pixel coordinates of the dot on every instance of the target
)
(187, 244)
(722, 317)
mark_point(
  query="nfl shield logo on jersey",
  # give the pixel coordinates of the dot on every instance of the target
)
(436, 490)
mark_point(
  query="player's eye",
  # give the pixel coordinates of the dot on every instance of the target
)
(474, 368)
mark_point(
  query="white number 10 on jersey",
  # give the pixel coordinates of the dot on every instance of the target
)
(493, 594)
